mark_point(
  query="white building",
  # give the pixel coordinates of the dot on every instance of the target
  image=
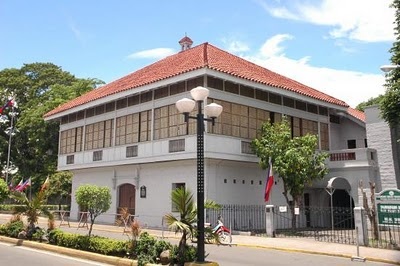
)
(128, 135)
(385, 140)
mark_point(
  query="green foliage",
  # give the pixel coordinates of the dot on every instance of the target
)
(12, 228)
(182, 199)
(390, 107)
(94, 199)
(38, 88)
(31, 208)
(60, 186)
(37, 234)
(4, 191)
(96, 244)
(295, 160)
(146, 250)
(372, 101)
(189, 256)
(11, 207)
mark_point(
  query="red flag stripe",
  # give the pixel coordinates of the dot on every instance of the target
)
(269, 183)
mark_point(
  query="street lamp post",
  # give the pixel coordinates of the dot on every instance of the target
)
(213, 110)
(388, 68)
(10, 131)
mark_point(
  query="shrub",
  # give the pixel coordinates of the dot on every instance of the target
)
(53, 236)
(38, 234)
(12, 228)
(144, 250)
(189, 255)
(94, 244)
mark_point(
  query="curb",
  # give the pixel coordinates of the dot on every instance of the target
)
(70, 252)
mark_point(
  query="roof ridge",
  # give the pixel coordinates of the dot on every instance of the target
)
(205, 54)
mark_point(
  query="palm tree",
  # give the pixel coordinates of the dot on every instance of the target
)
(183, 200)
(31, 208)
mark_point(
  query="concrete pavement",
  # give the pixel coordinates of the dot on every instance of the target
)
(284, 244)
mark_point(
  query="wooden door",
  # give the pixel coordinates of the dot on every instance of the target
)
(127, 196)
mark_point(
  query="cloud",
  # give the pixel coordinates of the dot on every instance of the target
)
(362, 20)
(156, 53)
(76, 32)
(350, 86)
(272, 46)
(233, 45)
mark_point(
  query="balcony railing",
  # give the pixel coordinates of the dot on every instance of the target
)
(359, 157)
(342, 156)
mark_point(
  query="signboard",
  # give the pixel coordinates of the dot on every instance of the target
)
(388, 207)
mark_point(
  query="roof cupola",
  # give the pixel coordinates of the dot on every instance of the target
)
(186, 43)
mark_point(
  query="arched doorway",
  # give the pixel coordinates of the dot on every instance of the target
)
(127, 198)
(341, 202)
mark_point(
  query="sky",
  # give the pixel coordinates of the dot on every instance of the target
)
(335, 46)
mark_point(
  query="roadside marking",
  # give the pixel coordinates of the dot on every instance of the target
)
(55, 254)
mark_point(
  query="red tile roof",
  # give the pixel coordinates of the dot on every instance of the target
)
(357, 114)
(201, 56)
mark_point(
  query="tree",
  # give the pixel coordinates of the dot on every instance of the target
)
(33, 209)
(371, 211)
(182, 198)
(4, 191)
(60, 187)
(295, 160)
(94, 199)
(390, 107)
(372, 101)
(37, 88)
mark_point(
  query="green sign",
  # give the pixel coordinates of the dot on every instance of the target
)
(389, 195)
(388, 207)
(389, 214)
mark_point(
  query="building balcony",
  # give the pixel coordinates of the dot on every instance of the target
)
(362, 157)
(185, 147)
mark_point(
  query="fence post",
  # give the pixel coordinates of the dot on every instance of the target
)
(360, 223)
(269, 220)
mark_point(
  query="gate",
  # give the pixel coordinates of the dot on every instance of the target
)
(323, 224)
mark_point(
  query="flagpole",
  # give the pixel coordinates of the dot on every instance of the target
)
(9, 144)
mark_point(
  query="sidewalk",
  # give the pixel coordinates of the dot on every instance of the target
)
(284, 244)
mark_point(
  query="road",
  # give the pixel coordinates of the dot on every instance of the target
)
(239, 256)
(22, 256)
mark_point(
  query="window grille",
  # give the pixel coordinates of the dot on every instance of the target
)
(97, 155)
(131, 151)
(177, 145)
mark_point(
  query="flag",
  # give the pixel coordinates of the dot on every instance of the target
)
(9, 103)
(26, 184)
(270, 181)
(45, 184)
(19, 184)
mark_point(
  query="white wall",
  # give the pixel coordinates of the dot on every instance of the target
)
(346, 130)
(379, 138)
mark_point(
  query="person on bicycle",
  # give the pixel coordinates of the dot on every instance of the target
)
(219, 224)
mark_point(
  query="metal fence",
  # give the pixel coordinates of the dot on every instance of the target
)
(248, 218)
(323, 224)
(387, 235)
